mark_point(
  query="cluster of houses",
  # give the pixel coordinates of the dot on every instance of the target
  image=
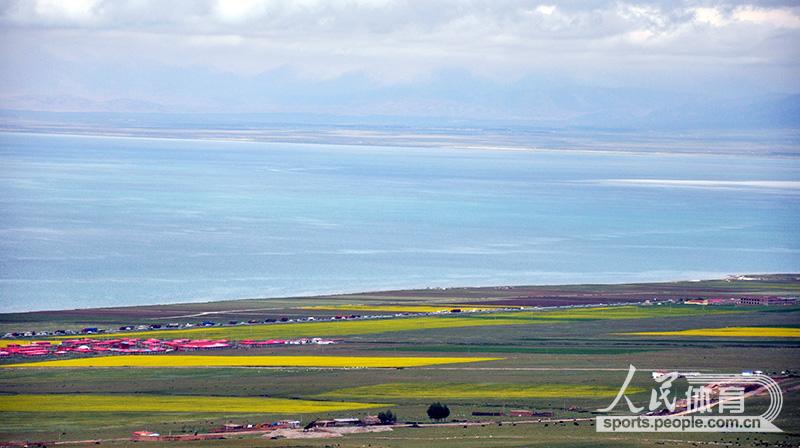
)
(150, 327)
(269, 426)
(209, 323)
(344, 422)
(137, 346)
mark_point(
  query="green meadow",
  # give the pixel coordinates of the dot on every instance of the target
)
(565, 361)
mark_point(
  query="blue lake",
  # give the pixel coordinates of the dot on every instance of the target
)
(102, 221)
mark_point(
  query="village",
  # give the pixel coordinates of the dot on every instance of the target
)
(277, 383)
(138, 346)
(267, 321)
(152, 346)
(730, 301)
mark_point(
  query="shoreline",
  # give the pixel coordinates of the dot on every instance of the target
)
(425, 293)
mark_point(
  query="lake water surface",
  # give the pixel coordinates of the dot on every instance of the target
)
(102, 221)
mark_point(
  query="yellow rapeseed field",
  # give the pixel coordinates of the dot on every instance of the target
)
(461, 391)
(165, 403)
(399, 308)
(248, 361)
(762, 332)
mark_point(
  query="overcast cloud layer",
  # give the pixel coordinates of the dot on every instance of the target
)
(372, 55)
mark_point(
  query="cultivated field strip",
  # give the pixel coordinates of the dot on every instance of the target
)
(466, 391)
(745, 332)
(167, 403)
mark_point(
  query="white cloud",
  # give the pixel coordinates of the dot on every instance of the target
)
(398, 40)
(546, 9)
(77, 12)
(776, 17)
(68, 9)
(709, 16)
(232, 11)
(640, 36)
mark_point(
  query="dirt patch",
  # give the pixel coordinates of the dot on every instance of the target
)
(323, 433)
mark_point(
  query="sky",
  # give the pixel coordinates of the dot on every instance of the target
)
(521, 59)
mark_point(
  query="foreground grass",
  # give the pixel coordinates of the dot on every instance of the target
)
(249, 361)
(465, 391)
(762, 332)
(165, 403)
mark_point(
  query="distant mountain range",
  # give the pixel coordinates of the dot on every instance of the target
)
(71, 103)
(556, 108)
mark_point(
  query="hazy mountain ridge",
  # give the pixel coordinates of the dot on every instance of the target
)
(449, 98)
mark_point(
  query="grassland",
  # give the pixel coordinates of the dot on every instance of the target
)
(747, 332)
(249, 361)
(565, 361)
(163, 403)
(468, 391)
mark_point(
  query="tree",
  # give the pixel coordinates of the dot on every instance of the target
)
(387, 418)
(438, 411)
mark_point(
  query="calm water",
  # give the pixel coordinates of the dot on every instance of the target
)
(90, 221)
